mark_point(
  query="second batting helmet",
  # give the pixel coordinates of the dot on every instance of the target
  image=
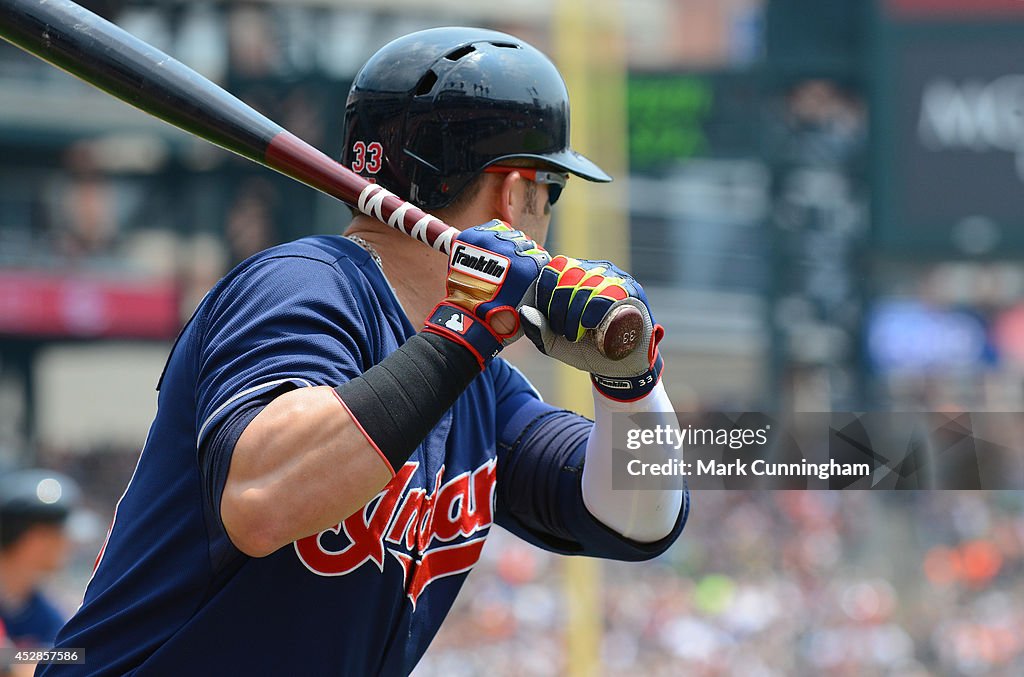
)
(430, 110)
(30, 497)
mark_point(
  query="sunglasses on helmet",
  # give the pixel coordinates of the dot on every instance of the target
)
(554, 180)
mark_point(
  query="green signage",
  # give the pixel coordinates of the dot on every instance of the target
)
(678, 116)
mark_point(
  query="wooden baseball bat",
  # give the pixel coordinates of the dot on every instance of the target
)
(111, 59)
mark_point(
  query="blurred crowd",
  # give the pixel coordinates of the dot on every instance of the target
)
(780, 583)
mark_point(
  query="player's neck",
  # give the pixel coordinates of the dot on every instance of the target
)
(416, 272)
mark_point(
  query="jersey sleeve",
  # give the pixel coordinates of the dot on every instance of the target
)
(541, 451)
(282, 323)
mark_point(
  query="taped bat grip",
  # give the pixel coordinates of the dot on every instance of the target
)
(400, 400)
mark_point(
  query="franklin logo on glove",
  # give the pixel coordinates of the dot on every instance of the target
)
(479, 263)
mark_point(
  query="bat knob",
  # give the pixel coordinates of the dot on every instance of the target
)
(619, 333)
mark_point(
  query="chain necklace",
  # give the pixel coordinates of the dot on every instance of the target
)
(360, 242)
(369, 249)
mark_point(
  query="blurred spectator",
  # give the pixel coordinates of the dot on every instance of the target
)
(250, 223)
(34, 507)
(202, 262)
(254, 49)
(87, 223)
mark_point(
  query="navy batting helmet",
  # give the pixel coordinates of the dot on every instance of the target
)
(30, 497)
(430, 110)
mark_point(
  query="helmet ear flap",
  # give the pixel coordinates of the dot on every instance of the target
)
(444, 103)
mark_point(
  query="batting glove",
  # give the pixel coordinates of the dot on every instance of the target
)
(492, 268)
(573, 297)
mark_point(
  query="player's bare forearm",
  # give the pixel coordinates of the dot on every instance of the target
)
(301, 466)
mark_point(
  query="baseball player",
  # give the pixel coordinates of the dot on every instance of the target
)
(336, 433)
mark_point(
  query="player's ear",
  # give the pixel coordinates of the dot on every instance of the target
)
(508, 198)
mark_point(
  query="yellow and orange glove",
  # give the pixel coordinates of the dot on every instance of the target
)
(574, 296)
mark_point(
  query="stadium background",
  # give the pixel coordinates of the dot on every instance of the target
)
(825, 201)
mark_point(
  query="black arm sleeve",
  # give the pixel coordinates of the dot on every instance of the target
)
(399, 401)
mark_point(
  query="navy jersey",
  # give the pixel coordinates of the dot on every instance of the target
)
(171, 595)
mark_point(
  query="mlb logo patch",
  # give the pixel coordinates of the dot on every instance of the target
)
(456, 320)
